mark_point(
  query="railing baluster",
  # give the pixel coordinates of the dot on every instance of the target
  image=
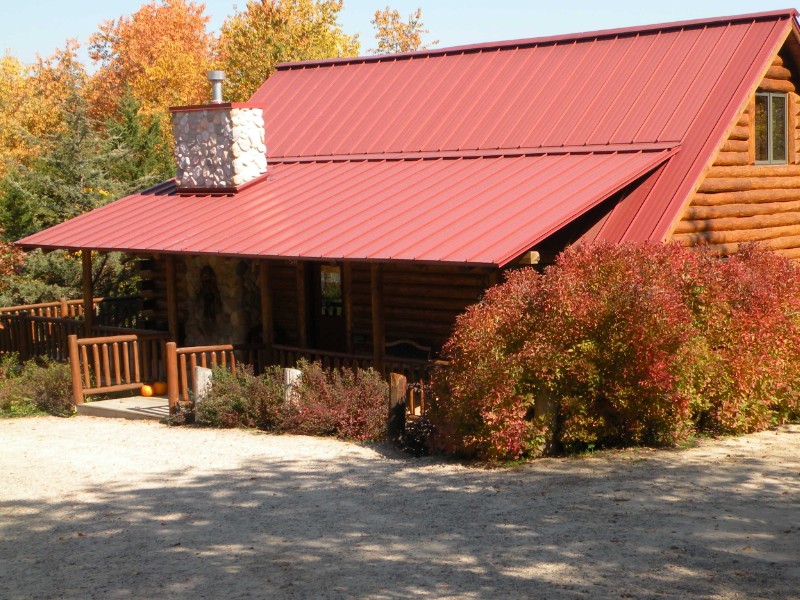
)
(185, 377)
(106, 364)
(126, 361)
(96, 363)
(136, 372)
(115, 351)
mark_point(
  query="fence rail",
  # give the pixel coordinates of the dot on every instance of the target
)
(181, 363)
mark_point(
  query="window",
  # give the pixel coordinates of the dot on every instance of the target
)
(771, 109)
(331, 290)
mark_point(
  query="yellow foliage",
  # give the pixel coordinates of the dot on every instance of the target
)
(254, 41)
(395, 35)
(31, 99)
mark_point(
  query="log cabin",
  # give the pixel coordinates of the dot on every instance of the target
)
(354, 207)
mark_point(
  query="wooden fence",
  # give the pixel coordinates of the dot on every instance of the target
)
(181, 363)
(32, 335)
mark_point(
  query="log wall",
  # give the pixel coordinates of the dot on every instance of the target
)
(153, 289)
(739, 201)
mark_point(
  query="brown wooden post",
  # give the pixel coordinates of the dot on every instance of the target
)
(64, 310)
(302, 305)
(88, 296)
(75, 369)
(267, 329)
(172, 298)
(378, 318)
(172, 376)
(347, 293)
(397, 406)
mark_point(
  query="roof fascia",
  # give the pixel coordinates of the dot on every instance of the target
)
(791, 29)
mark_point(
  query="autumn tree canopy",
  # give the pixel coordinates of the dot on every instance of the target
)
(267, 32)
(395, 35)
(161, 53)
(32, 101)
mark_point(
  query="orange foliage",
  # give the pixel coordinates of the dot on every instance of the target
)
(162, 52)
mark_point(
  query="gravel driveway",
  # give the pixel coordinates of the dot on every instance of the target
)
(104, 508)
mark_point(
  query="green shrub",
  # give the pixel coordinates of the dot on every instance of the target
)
(632, 344)
(35, 387)
(242, 400)
(49, 386)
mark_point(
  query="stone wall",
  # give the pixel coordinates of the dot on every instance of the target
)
(222, 301)
(218, 146)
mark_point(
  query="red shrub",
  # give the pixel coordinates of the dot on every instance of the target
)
(634, 344)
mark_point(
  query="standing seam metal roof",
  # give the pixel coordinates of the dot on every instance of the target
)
(469, 155)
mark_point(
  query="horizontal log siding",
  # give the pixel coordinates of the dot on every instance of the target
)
(739, 201)
(421, 302)
(283, 287)
(153, 289)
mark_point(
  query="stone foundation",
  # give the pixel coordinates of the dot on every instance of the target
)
(222, 301)
(218, 146)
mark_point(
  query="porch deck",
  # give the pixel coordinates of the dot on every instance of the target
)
(138, 408)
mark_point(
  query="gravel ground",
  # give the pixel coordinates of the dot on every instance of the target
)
(104, 508)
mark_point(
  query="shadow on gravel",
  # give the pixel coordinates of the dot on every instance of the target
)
(407, 528)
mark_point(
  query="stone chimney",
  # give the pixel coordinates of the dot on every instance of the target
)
(218, 145)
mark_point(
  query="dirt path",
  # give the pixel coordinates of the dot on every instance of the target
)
(101, 508)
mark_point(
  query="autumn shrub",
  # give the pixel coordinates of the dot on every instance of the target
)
(750, 375)
(242, 399)
(630, 344)
(346, 403)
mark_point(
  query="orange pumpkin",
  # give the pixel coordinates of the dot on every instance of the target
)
(160, 388)
(146, 391)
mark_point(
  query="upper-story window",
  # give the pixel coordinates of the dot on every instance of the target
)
(771, 110)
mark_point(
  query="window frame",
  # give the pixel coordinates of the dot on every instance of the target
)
(770, 160)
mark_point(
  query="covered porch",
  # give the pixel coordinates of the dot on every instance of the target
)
(390, 317)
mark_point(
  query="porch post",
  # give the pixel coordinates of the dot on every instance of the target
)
(302, 305)
(88, 296)
(347, 293)
(267, 331)
(172, 298)
(378, 321)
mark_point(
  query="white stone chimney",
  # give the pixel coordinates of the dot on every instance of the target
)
(218, 145)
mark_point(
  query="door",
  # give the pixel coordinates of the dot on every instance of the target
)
(328, 308)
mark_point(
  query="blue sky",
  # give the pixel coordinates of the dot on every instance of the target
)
(39, 26)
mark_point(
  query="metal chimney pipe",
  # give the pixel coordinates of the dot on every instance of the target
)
(216, 78)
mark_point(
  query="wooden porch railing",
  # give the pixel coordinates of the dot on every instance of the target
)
(103, 365)
(63, 308)
(181, 363)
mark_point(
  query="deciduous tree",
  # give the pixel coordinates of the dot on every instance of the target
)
(161, 52)
(395, 35)
(267, 32)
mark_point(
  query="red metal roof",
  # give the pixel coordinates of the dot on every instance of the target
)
(642, 85)
(347, 139)
(484, 210)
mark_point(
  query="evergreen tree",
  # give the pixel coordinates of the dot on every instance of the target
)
(69, 178)
(141, 156)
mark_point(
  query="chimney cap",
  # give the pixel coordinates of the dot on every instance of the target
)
(216, 76)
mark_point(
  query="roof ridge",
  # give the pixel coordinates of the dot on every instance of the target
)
(786, 13)
(482, 153)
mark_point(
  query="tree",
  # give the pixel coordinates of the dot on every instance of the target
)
(136, 141)
(31, 99)
(69, 178)
(161, 53)
(267, 32)
(395, 35)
